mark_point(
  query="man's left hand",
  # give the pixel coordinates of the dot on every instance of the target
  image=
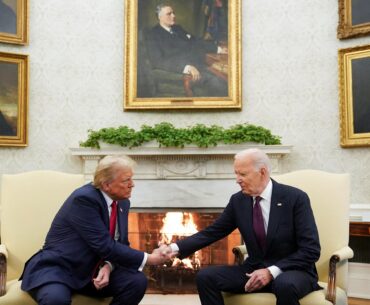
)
(258, 279)
(102, 279)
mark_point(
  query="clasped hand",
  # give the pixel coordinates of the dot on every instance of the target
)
(160, 255)
(257, 280)
(102, 279)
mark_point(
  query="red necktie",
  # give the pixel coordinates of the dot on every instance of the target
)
(113, 219)
(259, 228)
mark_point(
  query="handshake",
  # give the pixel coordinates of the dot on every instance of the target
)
(160, 255)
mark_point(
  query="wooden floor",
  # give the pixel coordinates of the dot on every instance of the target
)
(353, 301)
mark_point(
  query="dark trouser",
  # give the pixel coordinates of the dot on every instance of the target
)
(127, 287)
(210, 85)
(288, 287)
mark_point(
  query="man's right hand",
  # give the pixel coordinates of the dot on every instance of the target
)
(194, 72)
(160, 255)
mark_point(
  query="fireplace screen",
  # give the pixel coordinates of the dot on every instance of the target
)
(148, 229)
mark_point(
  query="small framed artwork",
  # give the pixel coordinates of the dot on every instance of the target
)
(185, 54)
(13, 99)
(354, 80)
(14, 21)
(354, 18)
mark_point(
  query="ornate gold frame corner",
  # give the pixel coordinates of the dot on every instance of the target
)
(20, 138)
(345, 27)
(21, 37)
(348, 136)
(232, 102)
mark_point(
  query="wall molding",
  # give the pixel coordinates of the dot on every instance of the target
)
(360, 212)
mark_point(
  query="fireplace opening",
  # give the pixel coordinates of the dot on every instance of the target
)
(147, 229)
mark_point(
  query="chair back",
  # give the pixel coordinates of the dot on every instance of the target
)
(329, 194)
(28, 203)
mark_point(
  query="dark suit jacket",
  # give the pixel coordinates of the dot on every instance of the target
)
(78, 239)
(292, 241)
(172, 52)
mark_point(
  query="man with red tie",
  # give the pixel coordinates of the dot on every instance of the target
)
(278, 227)
(87, 249)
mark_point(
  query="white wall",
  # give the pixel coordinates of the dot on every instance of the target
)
(290, 83)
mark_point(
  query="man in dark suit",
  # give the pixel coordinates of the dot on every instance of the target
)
(282, 260)
(173, 49)
(80, 253)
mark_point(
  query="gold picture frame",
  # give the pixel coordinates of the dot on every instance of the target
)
(141, 92)
(13, 99)
(354, 18)
(14, 21)
(354, 79)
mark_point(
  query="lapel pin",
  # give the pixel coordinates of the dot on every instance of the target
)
(120, 210)
(279, 204)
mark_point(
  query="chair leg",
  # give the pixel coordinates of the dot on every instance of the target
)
(2, 274)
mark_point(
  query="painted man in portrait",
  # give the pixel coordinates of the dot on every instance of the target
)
(174, 50)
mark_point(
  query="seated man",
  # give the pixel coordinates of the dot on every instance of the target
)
(278, 226)
(87, 249)
(171, 48)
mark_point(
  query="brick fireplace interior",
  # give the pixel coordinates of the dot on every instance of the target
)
(146, 229)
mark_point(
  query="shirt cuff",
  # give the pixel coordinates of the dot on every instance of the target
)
(186, 69)
(175, 248)
(275, 271)
(110, 265)
(143, 262)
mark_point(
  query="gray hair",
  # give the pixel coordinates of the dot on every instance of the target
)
(258, 157)
(159, 8)
(109, 166)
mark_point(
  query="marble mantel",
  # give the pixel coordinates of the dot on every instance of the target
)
(181, 177)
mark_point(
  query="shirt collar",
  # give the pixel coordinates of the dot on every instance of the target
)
(168, 29)
(267, 192)
(108, 200)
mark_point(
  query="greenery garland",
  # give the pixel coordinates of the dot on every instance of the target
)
(168, 136)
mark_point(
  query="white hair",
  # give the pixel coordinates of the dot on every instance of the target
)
(109, 166)
(258, 157)
(159, 7)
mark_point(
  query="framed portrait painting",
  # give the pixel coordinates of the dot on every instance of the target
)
(182, 54)
(13, 99)
(14, 21)
(354, 80)
(354, 18)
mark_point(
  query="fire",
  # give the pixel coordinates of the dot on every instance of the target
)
(179, 224)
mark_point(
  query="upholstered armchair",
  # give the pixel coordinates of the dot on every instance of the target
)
(329, 194)
(28, 204)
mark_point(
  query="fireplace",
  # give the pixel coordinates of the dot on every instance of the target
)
(191, 179)
(147, 229)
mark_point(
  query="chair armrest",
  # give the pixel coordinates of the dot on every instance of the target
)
(343, 254)
(3, 257)
(240, 252)
(162, 75)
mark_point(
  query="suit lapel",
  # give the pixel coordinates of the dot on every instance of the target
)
(104, 207)
(249, 207)
(122, 215)
(275, 213)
